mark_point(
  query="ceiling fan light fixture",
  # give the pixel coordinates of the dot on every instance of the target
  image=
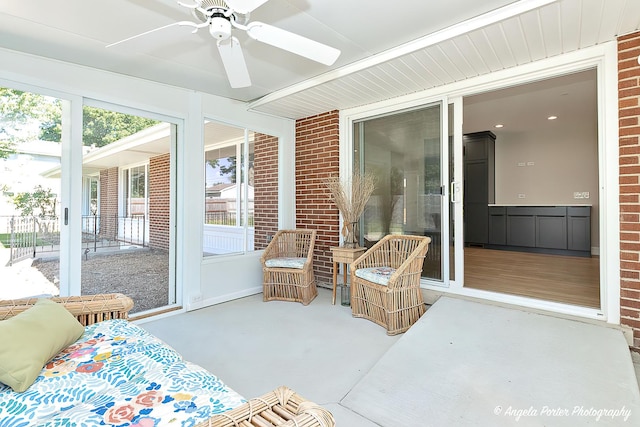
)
(220, 28)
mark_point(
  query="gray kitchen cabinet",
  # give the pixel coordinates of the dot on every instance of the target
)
(547, 229)
(551, 232)
(497, 225)
(521, 230)
(479, 185)
(579, 228)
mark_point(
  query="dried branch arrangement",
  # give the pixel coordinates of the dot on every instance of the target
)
(350, 197)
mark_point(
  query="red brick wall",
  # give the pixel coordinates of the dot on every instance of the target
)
(108, 202)
(159, 201)
(265, 181)
(317, 157)
(629, 114)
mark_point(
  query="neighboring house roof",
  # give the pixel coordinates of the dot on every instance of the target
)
(219, 187)
(136, 148)
(40, 148)
(225, 190)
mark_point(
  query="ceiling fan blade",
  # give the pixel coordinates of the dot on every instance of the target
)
(181, 23)
(292, 42)
(245, 6)
(234, 64)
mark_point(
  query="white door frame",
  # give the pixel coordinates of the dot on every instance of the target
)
(602, 57)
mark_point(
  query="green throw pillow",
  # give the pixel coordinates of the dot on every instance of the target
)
(29, 340)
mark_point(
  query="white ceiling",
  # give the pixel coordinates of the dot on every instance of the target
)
(525, 109)
(388, 49)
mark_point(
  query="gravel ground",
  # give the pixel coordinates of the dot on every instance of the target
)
(142, 274)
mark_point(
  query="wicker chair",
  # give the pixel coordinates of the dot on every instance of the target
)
(385, 282)
(287, 266)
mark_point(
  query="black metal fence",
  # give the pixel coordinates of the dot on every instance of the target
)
(26, 236)
(100, 231)
(224, 218)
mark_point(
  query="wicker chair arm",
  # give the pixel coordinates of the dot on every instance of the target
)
(402, 277)
(312, 243)
(272, 250)
(371, 257)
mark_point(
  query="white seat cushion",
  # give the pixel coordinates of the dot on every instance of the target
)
(288, 262)
(379, 275)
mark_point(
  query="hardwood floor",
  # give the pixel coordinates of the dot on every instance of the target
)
(565, 279)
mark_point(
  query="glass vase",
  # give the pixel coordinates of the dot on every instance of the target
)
(345, 295)
(351, 239)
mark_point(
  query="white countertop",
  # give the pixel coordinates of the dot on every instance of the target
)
(536, 205)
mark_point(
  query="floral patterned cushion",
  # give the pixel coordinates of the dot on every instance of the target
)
(379, 275)
(118, 374)
(286, 262)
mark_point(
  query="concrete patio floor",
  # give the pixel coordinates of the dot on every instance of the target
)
(464, 363)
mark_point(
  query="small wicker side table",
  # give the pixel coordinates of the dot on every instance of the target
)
(342, 255)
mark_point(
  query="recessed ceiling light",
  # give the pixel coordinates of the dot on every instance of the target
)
(552, 117)
(499, 126)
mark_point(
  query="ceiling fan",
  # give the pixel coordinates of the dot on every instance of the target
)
(222, 16)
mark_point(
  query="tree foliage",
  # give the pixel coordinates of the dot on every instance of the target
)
(6, 149)
(102, 127)
(26, 116)
(40, 202)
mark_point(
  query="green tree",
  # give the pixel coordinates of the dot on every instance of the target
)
(40, 202)
(229, 170)
(102, 127)
(26, 116)
(6, 149)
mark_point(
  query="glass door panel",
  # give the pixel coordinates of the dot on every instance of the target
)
(31, 141)
(454, 195)
(127, 207)
(404, 151)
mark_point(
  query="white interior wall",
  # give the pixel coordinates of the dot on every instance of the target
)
(557, 162)
(70, 81)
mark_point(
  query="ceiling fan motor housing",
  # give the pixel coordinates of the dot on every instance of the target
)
(220, 27)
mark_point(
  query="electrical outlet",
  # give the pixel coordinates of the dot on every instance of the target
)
(196, 298)
(530, 163)
(521, 164)
(521, 196)
(580, 194)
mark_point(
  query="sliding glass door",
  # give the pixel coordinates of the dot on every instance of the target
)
(408, 153)
(36, 206)
(128, 169)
